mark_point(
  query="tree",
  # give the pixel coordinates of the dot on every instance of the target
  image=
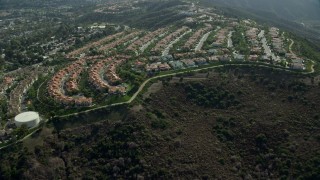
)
(2, 62)
(261, 139)
(21, 131)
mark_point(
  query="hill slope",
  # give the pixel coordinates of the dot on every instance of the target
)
(294, 10)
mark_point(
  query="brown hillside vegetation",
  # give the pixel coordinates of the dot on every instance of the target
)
(227, 124)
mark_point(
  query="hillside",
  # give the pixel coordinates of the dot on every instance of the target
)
(294, 10)
(259, 124)
(157, 89)
(300, 17)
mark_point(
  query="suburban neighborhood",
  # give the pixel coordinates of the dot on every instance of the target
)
(109, 65)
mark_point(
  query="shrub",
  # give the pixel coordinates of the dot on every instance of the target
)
(261, 139)
(159, 124)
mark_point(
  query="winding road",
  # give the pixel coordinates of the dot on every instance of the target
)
(290, 50)
(290, 46)
(173, 74)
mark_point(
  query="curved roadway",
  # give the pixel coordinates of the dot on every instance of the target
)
(173, 74)
(145, 83)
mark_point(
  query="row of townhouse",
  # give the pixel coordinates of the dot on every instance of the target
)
(221, 37)
(97, 80)
(191, 43)
(158, 66)
(252, 37)
(93, 58)
(163, 43)
(55, 87)
(186, 63)
(85, 48)
(145, 39)
(189, 54)
(57, 44)
(296, 62)
(120, 41)
(9, 78)
(117, 8)
(71, 84)
(111, 74)
(6, 83)
(16, 95)
(277, 42)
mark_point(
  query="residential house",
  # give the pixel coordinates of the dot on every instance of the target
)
(176, 64)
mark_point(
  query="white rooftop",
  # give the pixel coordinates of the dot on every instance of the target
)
(26, 116)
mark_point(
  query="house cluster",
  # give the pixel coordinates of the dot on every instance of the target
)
(6, 83)
(254, 44)
(6, 133)
(295, 61)
(189, 55)
(111, 74)
(117, 8)
(120, 41)
(71, 84)
(56, 87)
(64, 44)
(16, 95)
(221, 37)
(252, 38)
(178, 64)
(205, 18)
(145, 39)
(185, 60)
(163, 43)
(190, 44)
(107, 67)
(158, 66)
(56, 45)
(93, 58)
(85, 48)
(276, 40)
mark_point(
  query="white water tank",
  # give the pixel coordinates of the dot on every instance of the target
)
(30, 119)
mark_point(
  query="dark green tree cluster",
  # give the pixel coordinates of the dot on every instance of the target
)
(13, 162)
(223, 129)
(121, 148)
(216, 97)
(239, 41)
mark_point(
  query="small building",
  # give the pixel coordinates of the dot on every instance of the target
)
(152, 67)
(138, 65)
(266, 58)
(200, 61)
(213, 58)
(154, 58)
(298, 66)
(213, 51)
(217, 45)
(224, 58)
(164, 67)
(253, 58)
(239, 57)
(167, 58)
(189, 62)
(290, 56)
(298, 61)
(176, 64)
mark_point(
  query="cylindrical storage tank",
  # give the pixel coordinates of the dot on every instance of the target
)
(30, 119)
